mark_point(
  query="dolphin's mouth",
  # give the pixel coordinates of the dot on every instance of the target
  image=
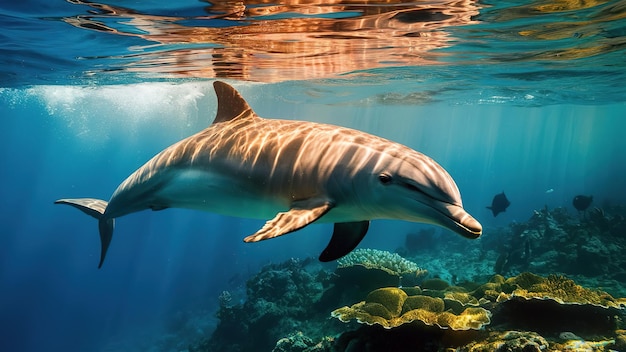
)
(466, 225)
(471, 233)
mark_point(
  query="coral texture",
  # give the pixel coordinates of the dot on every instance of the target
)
(391, 307)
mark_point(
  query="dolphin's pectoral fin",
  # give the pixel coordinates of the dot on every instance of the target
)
(346, 236)
(289, 221)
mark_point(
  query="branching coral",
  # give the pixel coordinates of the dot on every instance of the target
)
(383, 260)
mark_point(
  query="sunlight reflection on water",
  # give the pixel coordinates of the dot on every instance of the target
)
(269, 42)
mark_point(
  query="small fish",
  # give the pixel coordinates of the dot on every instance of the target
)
(501, 263)
(550, 190)
(581, 203)
(499, 204)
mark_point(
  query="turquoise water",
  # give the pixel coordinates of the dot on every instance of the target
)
(521, 97)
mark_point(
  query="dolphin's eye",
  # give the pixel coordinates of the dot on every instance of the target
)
(385, 179)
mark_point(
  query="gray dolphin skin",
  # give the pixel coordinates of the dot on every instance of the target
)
(292, 172)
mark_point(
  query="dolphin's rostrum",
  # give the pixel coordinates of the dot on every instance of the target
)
(292, 172)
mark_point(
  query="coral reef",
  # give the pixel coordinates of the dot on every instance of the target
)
(523, 308)
(508, 341)
(391, 307)
(587, 248)
(559, 289)
(553, 241)
(387, 268)
(298, 342)
(465, 304)
(550, 305)
(281, 298)
(288, 306)
(364, 270)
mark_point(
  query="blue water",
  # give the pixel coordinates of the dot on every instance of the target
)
(516, 99)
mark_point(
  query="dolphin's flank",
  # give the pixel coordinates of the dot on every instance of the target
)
(292, 172)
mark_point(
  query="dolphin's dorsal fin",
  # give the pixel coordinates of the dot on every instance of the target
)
(230, 104)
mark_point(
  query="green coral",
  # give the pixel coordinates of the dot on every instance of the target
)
(383, 260)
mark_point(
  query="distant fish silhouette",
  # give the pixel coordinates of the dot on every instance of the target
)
(581, 203)
(499, 204)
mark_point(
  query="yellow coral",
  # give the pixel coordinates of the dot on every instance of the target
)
(345, 314)
(392, 298)
(493, 288)
(377, 310)
(458, 301)
(526, 280)
(559, 289)
(454, 308)
(509, 341)
(391, 307)
(430, 304)
(470, 318)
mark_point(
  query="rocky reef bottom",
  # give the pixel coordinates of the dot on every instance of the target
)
(480, 299)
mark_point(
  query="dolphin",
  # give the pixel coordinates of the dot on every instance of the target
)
(292, 172)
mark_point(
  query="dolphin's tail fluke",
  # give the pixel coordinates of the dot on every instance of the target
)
(95, 208)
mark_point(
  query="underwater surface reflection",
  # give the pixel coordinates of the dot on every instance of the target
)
(262, 41)
(269, 42)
